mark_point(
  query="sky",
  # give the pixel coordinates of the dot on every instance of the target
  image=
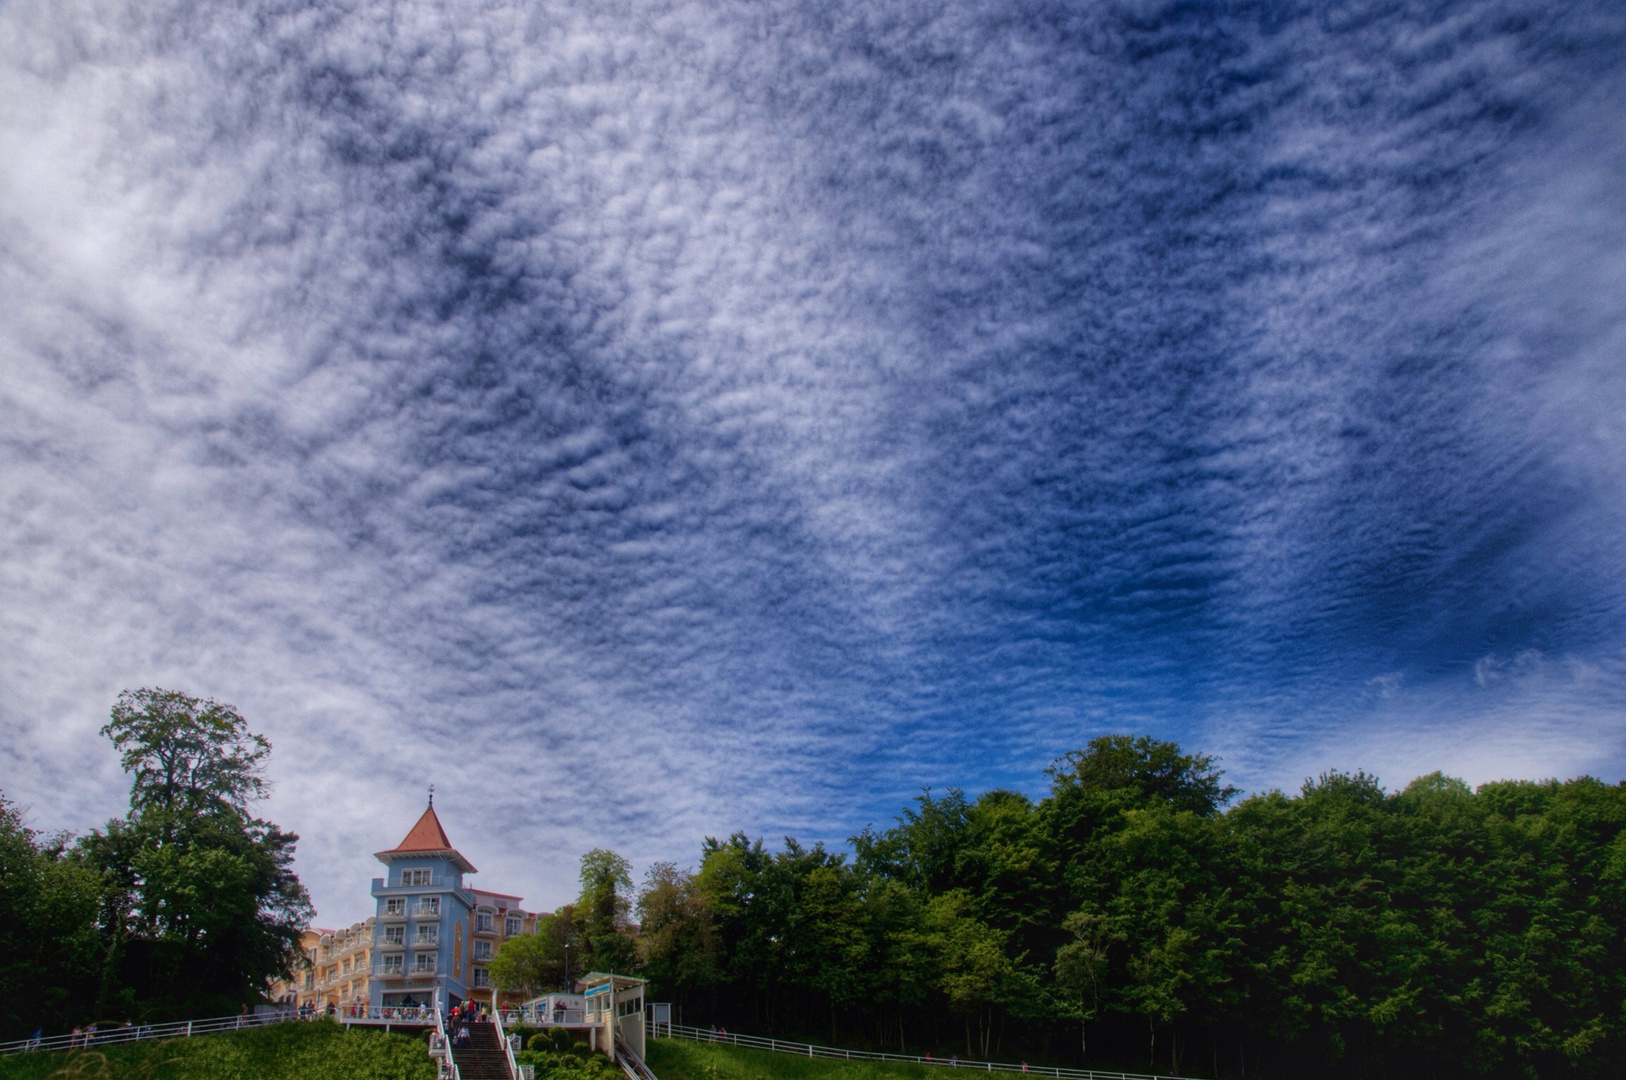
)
(647, 419)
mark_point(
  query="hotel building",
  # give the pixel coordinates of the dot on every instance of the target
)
(430, 941)
(433, 935)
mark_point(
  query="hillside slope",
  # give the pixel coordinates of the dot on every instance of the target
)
(680, 1059)
(299, 1051)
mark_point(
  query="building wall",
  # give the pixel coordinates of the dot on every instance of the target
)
(417, 925)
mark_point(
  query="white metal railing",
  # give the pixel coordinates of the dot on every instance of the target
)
(440, 1048)
(543, 1017)
(782, 1046)
(180, 1029)
(507, 1047)
(383, 1014)
(631, 1063)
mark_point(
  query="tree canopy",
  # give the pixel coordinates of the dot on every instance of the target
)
(188, 905)
(1140, 916)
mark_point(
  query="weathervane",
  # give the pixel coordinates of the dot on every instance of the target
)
(431, 796)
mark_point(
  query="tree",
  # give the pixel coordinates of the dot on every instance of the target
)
(49, 940)
(1081, 967)
(528, 965)
(679, 945)
(1150, 769)
(186, 755)
(202, 906)
(971, 959)
(603, 911)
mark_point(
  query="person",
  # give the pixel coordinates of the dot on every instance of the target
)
(954, 1061)
(34, 1039)
(928, 1055)
(90, 1034)
(1024, 1066)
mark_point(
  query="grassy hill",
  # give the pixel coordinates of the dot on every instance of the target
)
(679, 1059)
(299, 1051)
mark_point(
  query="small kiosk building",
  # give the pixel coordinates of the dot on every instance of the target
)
(615, 1007)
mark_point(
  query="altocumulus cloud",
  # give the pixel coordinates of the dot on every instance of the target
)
(829, 399)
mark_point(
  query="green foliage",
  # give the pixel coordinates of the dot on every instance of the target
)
(674, 1059)
(571, 1063)
(186, 755)
(49, 939)
(1343, 930)
(603, 913)
(531, 964)
(186, 907)
(299, 1051)
(556, 1040)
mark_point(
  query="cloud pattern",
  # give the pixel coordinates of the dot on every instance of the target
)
(645, 420)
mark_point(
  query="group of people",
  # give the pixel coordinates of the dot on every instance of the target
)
(461, 1016)
(84, 1036)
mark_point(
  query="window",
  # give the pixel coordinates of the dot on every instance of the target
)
(310, 979)
(428, 934)
(482, 950)
(392, 965)
(429, 905)
(415, 877)
(395, 935)
(346, 967)
(482, 978)
(482, 923)
(423, 962)
(395, 905)
(512, 926)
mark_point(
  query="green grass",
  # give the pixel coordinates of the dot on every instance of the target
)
(679, 1059)
(300, 1051)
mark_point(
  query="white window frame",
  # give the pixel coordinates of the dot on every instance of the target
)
(395, 905)
(428, 934)
(395, 935)
(481, 951)
(417, 878)
(429, 906)
(512, 925)
(423, 963)
(482, 979)
(394, 965)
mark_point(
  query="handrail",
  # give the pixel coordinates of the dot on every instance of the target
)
(782, 1046)
(448, 1062)
(180, 1029)
(631, 1063)
(502, 1036)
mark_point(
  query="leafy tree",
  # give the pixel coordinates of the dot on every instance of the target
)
(186, 755)
(49, 940)
(530, 964)
(202, 906)
(1152, 770)
(1082, 968)
(603, 911)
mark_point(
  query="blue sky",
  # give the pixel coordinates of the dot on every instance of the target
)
(646, 420)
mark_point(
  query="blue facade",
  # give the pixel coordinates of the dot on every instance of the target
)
(422, 942)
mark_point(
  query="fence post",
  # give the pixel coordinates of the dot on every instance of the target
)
(189, 1029)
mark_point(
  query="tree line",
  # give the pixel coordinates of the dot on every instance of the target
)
(1142, 916)
(187, 906)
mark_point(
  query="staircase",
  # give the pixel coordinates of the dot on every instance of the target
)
(484, 1058)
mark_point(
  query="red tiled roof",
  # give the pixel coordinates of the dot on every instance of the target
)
(428, 836)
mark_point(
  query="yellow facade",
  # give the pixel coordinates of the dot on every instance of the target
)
(337, 970)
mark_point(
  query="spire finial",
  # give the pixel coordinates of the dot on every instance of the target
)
(431, 796)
